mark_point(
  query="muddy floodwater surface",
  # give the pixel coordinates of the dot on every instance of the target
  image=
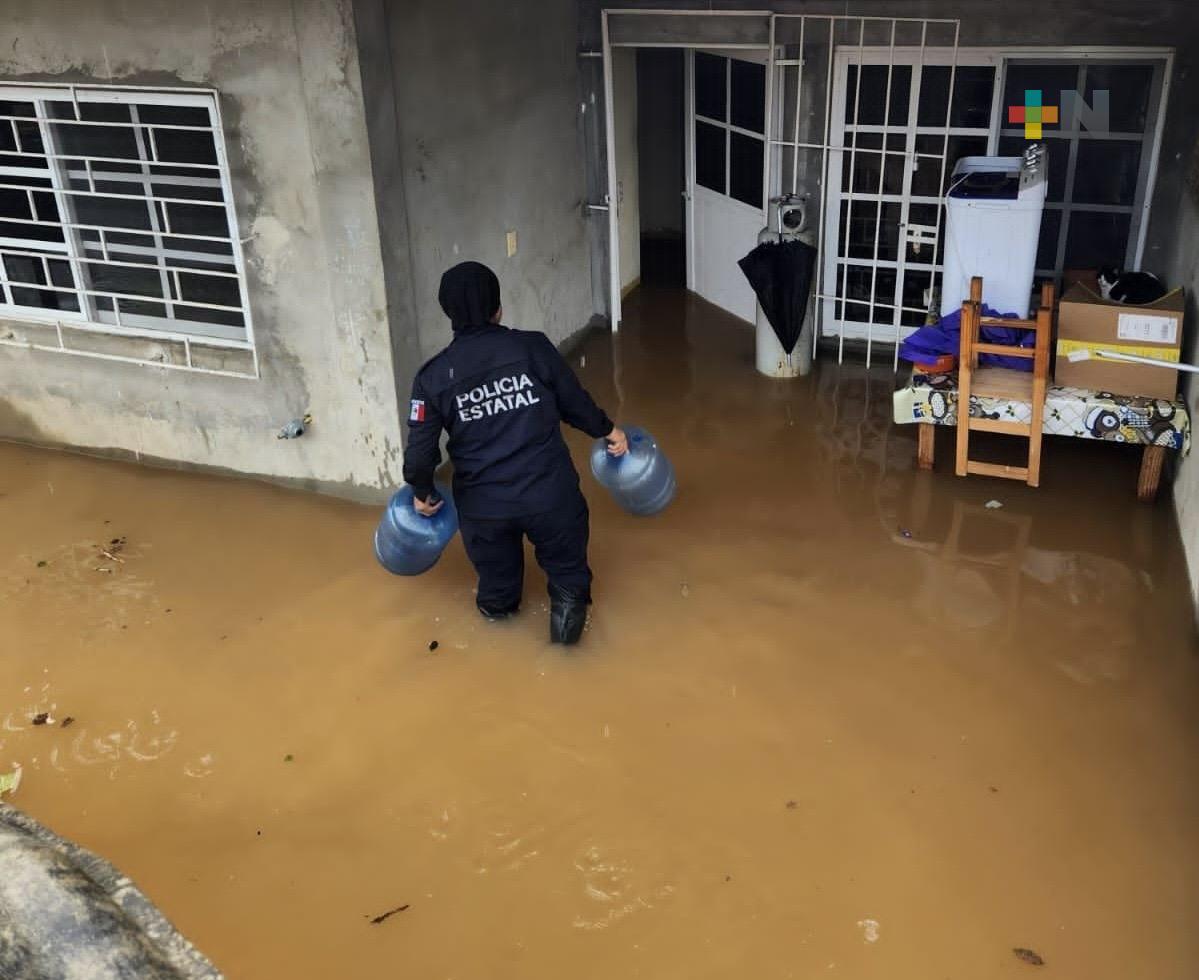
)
(833, 717)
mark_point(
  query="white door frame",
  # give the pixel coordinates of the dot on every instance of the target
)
(614, 298)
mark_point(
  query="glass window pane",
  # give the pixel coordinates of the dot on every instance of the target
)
(20, 268)
(926, 178)
(1129, 88)
(865, 165)
(709, 156)
(874, 94)
(95, 141)
(1106, 172)
(182, 146)
(858, 226)
(196, 219)
(917, 286)
(174, 115)
(928, 215)
(857, 285)
(124, 279)
(973, 87)
(1059, 161)
(748, 109)
(1047, 80)
(221, 290)
(711, 86)
(1096, 239)
(1051, 225)
(745, 160)
(112, 212)
(136, 307)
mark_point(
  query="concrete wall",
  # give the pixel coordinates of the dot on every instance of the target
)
(288, 77)
(1184, 271)
(628, 187)
(661, 137)
(484, 137)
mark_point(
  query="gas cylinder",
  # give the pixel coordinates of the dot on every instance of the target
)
(408, 543)
(642, 481)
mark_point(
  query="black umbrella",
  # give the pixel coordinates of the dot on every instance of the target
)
(781, 274)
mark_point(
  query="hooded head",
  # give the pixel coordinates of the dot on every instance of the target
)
(470, 295)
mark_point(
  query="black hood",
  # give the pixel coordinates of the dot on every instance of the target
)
(469, 294)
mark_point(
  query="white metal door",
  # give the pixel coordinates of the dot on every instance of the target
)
(726, 140)
(853, 156)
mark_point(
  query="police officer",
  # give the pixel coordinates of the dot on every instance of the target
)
(501, 395)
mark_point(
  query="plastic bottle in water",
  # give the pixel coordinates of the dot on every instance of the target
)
(642, 481)
(407, 543)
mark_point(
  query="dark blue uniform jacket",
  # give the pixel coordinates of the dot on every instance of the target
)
(501, 395)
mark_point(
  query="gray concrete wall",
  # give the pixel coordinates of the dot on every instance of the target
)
(288, 78)
(1184, 271)
(485, 137)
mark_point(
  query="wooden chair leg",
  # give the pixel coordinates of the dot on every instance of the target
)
(1151, 473)
(926, 445)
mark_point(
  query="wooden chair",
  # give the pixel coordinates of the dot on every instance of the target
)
(997, 382)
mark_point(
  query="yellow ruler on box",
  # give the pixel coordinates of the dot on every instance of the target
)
(1165, 355)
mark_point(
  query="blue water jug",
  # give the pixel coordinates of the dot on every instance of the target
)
(407, 543)
(642, 480)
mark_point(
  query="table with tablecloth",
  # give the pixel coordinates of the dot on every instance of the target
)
(1156, 424)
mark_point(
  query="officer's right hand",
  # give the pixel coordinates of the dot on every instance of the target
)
(425, 508)
(618, 442)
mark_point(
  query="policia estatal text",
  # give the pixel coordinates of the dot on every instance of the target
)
(502, 395)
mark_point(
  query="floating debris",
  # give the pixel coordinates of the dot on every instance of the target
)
(67, 722)
(383, 917)
(792, 804)
(904, 532)
(993, 505)
(870, 929)
(289, 758)
(1031, 957)
(9, 781)
(433, 645)
(42, 718)
(42, 564)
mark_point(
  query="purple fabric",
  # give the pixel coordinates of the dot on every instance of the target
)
(929, 343)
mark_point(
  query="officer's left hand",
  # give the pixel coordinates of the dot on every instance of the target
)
(426, 509)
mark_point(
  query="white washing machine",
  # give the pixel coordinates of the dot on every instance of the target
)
(992, 226)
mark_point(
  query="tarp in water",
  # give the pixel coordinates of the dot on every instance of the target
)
(781, 275)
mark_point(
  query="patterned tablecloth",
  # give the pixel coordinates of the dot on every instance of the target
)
(1076, 412)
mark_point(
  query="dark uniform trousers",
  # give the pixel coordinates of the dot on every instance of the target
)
(496, 548)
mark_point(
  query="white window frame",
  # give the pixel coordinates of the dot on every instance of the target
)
(999, 58)
(89, 318)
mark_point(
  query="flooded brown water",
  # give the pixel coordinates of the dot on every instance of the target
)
(833, 717)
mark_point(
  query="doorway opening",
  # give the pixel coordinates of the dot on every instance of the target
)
(689, 143)
(661, 166)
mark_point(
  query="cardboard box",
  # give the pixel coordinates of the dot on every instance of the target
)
(1085, 320)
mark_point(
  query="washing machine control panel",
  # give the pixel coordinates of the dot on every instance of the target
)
(1035, 166)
